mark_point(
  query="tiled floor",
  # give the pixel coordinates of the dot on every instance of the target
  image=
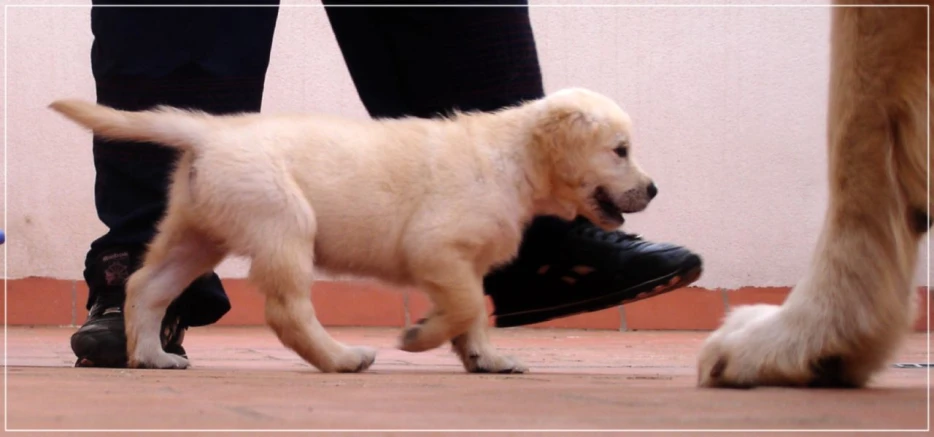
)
(242, 378)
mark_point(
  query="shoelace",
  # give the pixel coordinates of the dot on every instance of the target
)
(594, 232)
(109, 303)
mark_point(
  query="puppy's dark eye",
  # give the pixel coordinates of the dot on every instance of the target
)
(622, 151)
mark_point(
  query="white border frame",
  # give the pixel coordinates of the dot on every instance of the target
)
(640, 6)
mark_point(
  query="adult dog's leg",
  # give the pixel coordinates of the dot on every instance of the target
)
(851, 311)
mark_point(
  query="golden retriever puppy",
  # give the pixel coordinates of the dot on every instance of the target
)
(430, 203)
(848, 315)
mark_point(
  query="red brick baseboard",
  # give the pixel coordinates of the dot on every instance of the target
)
(45, 301)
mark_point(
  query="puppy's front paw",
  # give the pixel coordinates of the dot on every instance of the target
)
(493, 363)
(478, 356)
(355, 359)
(753, 347)
(425, 335)
(159, 360)
(412, 340)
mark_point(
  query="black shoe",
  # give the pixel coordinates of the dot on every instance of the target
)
(101, 340)
(571, 268)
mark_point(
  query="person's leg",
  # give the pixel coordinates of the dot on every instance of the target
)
(426, 61)
(212, 59)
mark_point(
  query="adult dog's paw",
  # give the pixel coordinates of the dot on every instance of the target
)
(751, 349)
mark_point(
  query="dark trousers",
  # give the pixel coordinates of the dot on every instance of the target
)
(412, 61)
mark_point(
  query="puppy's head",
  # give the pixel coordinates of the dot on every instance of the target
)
(587, 144)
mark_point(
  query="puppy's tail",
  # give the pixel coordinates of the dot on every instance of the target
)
(163, 125)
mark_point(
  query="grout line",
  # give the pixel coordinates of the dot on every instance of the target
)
(622, 319)
(407, 318)
(74, 304)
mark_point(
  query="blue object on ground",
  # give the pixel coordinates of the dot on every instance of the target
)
(2, 237)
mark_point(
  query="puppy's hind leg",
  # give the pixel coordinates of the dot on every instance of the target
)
(284, 271)
(176, 257)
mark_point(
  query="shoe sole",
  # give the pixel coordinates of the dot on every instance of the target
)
(103, 359)
(118, 362)
(94, 351)
(111, 355)
(661, 285)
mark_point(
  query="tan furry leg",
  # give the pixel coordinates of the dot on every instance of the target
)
(284, 274)
(851, 311)
(477, 353)
(176, 257)
(457, 295)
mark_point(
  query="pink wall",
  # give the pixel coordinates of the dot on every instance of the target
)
(729, 106)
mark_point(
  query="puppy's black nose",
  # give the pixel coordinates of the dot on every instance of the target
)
(653, 190)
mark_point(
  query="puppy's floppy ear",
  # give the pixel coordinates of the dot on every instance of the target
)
(562, 130)
(560, 138)
(563, 119)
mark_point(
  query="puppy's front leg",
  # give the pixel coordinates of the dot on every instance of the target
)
(478, 354)
(457, 294)
(284, 275)
(475, 350)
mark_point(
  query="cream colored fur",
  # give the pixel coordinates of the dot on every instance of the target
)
(430, 203)
(852, 310)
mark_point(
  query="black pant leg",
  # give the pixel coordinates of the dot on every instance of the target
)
(424, 61)
(212, 59)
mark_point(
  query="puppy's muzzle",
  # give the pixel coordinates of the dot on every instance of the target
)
(636, 199)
